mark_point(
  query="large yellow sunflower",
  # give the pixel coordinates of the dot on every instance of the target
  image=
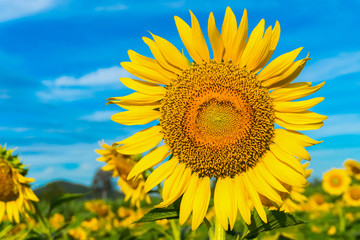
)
(217, 118)
(16, 195)
(121, 165)
(353, 168)
(336, 181)
(352, 196)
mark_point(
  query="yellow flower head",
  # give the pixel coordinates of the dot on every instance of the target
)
(78, 233)
(99, 207)
(16, 195)
(121, 165)
(317, 202)
(57, 221)
(352, 196)
(353, 168)
(332, 230)
(92, 224)
(336, 181)
(216, 117)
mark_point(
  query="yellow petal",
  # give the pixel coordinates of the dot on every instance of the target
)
(288, 76)
(187, 200)
(141, 141)
(9, 210)
(150, 160)
(300, 138)
(160, 173)
(171, 181)
(283, 172)
(150, 63)
(136, 98)
(240, 39)
(273, 42)
(146, 73)
(296, 106)
(2, 210)
(287, 158)
(201, 202)
(177, 188)
(242, 197)
(262, 171)
(294, 91)
(144, 87)
(136, 117)
(299, 127)
(225, 202)
(262, 186)
(159, 56)
(29, 194)
(16, 212)
(292, 147)
(252, 43)
(186, 36)
(254, 196)
(216, 41)
(257, 60)
(170, 53)
(198, 39)
(228, 32)
(277, 66)
(304, 117)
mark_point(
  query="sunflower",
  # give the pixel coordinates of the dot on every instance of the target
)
(336, 181)
(318, 203)
(353, 168)
(121, 165)
(352, 196)
(16, 196)
(216, 118)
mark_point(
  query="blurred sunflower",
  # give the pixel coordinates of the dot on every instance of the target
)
(336, 181)
(217, 118)
(353, 168)
(16, 195)
(352, 196)
(99, 207)
(317, 202)
(121, 165)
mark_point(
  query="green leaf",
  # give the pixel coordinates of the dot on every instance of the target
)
(159, 213)
(276, 219)
(67, 197)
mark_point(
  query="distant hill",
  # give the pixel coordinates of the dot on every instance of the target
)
(57, 188)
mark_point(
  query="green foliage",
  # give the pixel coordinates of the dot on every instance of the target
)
(276, 219)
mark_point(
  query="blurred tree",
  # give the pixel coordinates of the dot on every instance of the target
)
(102, 184)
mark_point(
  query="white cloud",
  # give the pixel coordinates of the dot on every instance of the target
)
(98, 116)
(112, 8)
(4, 94)
(69, 88)
(341, 124)
(12, 9)
(102, 76)
(330, 68)
(15, 129)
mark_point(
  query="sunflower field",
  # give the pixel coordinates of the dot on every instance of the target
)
(225, 157)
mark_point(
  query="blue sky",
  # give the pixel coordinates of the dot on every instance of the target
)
(59, 61)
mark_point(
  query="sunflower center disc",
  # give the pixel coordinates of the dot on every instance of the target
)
(217, 119)
(8, 191)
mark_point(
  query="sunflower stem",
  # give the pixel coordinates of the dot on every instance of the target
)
(220, 233)
(176, 229)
